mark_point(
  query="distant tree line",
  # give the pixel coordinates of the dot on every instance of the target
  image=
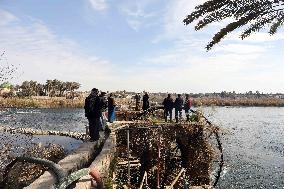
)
(52, 88)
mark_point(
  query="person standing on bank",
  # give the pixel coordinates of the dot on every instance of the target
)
(93, 111)
(187, 106)
(168, 107)
(178, 107)
(104, 109)
(111, 108)
(146, 104)
(137, 101)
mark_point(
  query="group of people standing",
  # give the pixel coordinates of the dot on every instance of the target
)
(96, 104)
(145, 102)
(179, 104)
(169, 104)
(95, 107)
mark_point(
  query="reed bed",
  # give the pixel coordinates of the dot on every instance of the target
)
(41, 103)
(125, 104)
(262, 102)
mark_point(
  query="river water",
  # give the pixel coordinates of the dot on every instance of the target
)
(253, 147)
(253, 141)
(43, 119)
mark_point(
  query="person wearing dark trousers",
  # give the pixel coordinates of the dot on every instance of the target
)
(104, 109)
(178, 107)
(168, 107)
(93, 111)
(146, 104)
(111, 108)
(137, 101)
(187, 106)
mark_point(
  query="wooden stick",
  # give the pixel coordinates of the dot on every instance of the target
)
(144, 178)
(176, 179)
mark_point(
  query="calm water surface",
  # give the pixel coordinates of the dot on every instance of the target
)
(253, 145)
(45, 119)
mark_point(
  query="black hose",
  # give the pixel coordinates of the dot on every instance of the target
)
(56, 169)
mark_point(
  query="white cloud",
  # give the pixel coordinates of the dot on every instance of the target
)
(232, 64)
(181, 65)
(43, 55)
(134, 24)
(174, 29)
(258, 37)
(240, 49)
(6, 17)
(98, 5)
(173, 20)
(137, 13)
(181, 72)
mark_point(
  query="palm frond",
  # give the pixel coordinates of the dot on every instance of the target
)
(258, 14)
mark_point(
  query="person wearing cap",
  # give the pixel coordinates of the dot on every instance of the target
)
(93, 112)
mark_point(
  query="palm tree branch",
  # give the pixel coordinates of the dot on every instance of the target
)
(229, 28)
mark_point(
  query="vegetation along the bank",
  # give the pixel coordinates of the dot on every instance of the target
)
(61, 102)
(16, 102)
(60, 94)
(52, 88)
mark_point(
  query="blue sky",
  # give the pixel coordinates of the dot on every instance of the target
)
(134, 45)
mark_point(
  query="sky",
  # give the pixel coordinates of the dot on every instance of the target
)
(134, 45)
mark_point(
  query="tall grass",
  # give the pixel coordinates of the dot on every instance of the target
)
(41, 103)
(265, 102)
(79, 103)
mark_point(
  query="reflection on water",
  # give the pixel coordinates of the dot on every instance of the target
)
(253, 147)
(46, 119)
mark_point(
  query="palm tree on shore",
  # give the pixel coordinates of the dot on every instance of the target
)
(62, 88)
(48, 85)
(51, 88)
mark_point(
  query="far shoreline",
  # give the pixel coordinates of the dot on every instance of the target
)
(59, 102)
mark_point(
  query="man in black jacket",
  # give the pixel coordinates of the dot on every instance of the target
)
(168, 107)
(93, 111)
(178, 107)
(146, 104)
